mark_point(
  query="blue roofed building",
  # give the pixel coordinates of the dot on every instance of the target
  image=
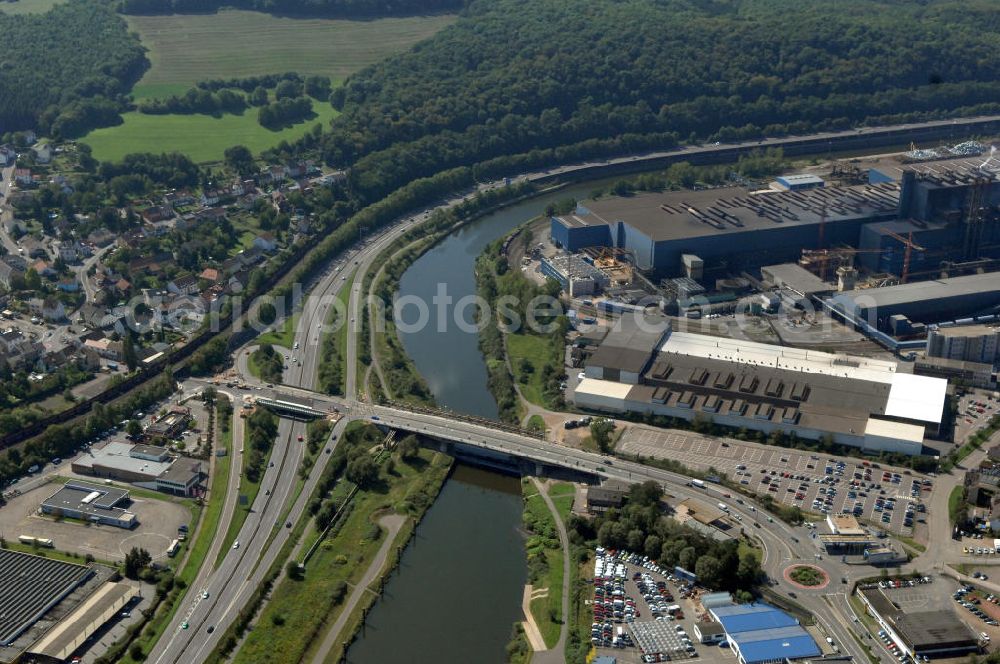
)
(762, 634)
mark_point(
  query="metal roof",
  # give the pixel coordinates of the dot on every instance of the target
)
(30, 586)
(922, 291)
(763, 633)
(750, 617)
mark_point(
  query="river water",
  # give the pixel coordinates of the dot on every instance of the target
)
(459, 586)
(446, 356)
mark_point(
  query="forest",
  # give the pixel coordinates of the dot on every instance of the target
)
(333, 8)
(65, 71)
(521, 78)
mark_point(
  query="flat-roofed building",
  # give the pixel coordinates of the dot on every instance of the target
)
(974, 374)
(857, 401)
(844, 524)
(91, 502)
(146, 466)
(60, 642)
(968, 343)
(938, 633)
(31, 585)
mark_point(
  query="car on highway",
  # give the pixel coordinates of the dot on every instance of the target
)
(211, 628)
(300, 439)
(184, 625)
(236, 544)
(204, 594)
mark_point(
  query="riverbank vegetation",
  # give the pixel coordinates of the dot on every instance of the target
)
(303, 605)
(545, 563)
(517, 358)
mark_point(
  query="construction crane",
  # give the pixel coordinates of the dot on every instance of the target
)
(910, 246)
(823, 257)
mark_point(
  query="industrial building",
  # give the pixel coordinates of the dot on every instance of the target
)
(577, 275)
(939, 633)
(797, 182)
(855, 401)
(924, 301)
(761, 634)
(60, 642)
(31, 585)
(90, 502)
(145, 466)
(730, 226)
(968, 343)
(973, 374)
(170, 425)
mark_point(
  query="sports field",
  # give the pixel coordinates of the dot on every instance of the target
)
(185, 49)
(201, 137)
(28, 6)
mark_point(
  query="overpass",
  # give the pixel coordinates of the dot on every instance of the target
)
(292, 407)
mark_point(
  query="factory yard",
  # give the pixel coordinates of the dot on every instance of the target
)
(814, 482)
(158, 523)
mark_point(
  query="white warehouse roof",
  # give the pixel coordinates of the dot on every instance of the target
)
(780, 357)
(913, 433)
(919, 398)
(603, 388)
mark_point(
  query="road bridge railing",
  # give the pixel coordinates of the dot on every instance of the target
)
(461, 417)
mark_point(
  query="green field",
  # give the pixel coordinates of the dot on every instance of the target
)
(28, 6)
(185, 49)
(203, 138)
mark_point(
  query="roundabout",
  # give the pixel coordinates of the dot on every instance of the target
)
(807, 577)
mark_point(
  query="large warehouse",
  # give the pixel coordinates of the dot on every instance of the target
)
(938, 633)
(761, 634)
(856, 401)
(923, 301)
(30, 586)
(744, 229)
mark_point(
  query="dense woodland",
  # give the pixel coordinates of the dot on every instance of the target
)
(515, 77)
(64, 71)
(337, 8)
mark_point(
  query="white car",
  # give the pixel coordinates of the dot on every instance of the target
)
(236, 544)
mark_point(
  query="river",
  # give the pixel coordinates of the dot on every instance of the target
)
(448, 357)
(459, 586)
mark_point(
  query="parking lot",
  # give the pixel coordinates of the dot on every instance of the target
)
(644, 614)
(974, 412)
(889, 498)
(158, 523)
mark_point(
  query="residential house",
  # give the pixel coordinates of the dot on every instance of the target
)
(22, 176)
(156, 213)
(211, 275)
(273, 174)
(184, 284)
(34, 248)
(210, 214)
(91, 315)
(43, 269)
(12, 269)
(279, 202)
(237, 282)
(266, 242)
(101, 237)
(106, 348)
(19, 352)
(177, 199)
(50, 308)
(210, 197)
(7, 155)
(71, 252)
(43, 153)
(13, 227)
(70, 285)
(122, 286)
